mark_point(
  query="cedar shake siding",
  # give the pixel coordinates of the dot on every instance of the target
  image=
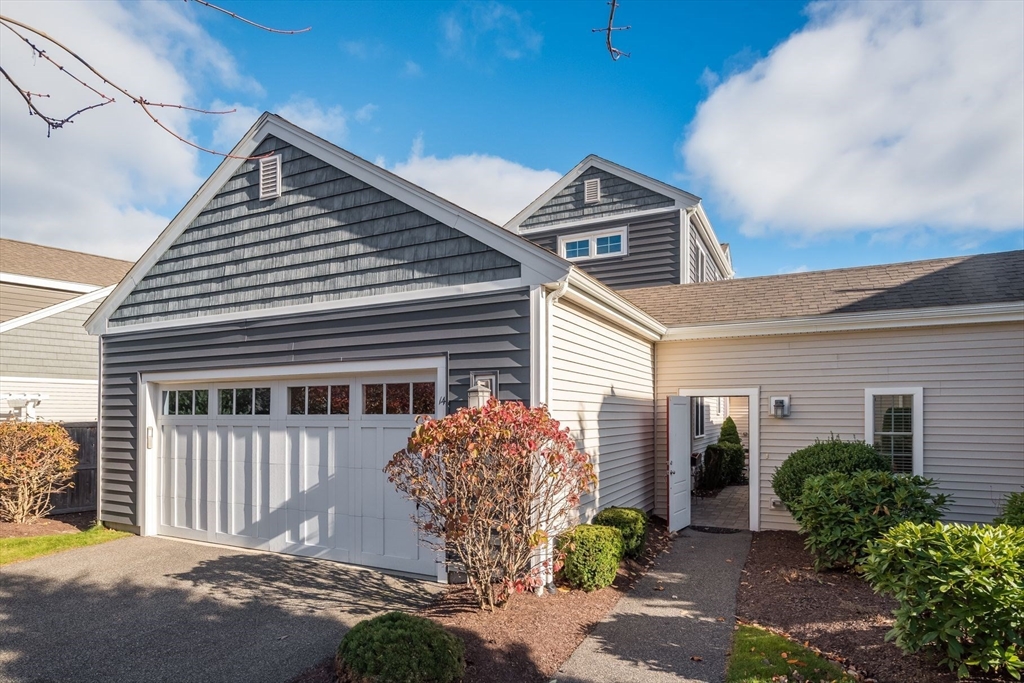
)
(327, 237)
(477, 333)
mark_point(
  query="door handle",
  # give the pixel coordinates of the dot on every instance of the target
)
(672, 471)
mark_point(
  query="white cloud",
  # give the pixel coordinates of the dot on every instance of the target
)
(365, 113)
(93, 184)
(479, 31)
(876, 116)
(412, 69)
(329, 123)
(489, 186)
(797, 269)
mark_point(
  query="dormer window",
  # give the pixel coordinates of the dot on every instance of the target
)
(602, 244)
(591, 190)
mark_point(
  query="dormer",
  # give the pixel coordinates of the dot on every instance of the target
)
(625, 228)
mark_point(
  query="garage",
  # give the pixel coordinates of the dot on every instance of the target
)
(290, 464)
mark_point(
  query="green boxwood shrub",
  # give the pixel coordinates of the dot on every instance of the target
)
(729, 433)
(400, 648)
(960, 590)
(734, 461)
(840, 513)
(592, 556)
(1013, 510)
(631, 522)
(712, 474)
(821, 457)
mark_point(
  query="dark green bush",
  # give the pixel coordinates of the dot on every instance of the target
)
(631, 522)
(1013, 510)
(733, 462)
(400, 648)
(729, 433)
(712, 475)
(821, 457)
(592, 556)
(841, 513)
(960, 590)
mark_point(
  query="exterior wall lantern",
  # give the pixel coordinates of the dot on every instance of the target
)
(780, 406)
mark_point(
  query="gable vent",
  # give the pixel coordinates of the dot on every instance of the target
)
(591, 190)
(270, 177)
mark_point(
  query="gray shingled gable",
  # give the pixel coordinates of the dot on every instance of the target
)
(960, 281)
(329, 236)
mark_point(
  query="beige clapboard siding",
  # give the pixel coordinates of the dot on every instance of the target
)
(602, 389)
(973, 380)
(66, 400)
(740, 414)
(19, 300)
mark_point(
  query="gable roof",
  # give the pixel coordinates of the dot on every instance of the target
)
(683, 199)
(538, 265)
(60, 265)
(960, 281)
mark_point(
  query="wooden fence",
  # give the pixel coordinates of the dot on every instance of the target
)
(82, 497)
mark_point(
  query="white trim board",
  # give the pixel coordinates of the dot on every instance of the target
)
(538, 265)
(882, 320)
(47, 283)
(753, 395)
(614, 221)
(42, 313)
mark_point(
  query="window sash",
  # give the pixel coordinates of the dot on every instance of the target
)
(893, 421)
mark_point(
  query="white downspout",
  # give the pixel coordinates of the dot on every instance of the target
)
(549, 300)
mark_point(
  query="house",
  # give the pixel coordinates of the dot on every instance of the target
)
(47, 360)
(270, 351)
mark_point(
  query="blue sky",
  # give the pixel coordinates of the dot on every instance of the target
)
(825, 136)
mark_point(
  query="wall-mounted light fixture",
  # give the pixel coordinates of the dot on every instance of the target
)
(779, 406)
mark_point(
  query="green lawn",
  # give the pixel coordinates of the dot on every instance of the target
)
(752, 646)
(18, 549)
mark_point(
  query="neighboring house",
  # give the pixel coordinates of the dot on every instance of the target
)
(46, 294)
(270, 351)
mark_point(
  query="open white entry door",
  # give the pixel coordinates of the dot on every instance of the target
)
(678, 462)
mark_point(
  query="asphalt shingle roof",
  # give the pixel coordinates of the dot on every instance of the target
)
(35, 260)
(959, 281)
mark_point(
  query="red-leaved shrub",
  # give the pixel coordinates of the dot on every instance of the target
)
(494, 485)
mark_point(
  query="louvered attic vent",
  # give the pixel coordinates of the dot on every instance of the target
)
(591, 190)
(270, 177)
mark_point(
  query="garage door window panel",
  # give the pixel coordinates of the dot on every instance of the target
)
(244, 401)
(424, 398)
(398, 399)
(339, 399)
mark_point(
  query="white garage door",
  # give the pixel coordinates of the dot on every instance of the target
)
(293, 466)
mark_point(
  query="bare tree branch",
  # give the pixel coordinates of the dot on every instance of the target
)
(246, 21)
(54, 123)
(612, 50)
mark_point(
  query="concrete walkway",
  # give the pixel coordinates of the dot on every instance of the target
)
(675, 625)
(730, 509)
(154, 610)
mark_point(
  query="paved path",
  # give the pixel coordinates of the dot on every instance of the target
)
(730, 509)
(655, 636)
(151, 609)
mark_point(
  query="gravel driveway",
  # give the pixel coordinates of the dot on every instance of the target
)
(152, 609)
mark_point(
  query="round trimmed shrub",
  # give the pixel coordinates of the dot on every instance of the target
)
(841, 513)
(632, 522)
(400, 648)
(1013, 510)
(822, 457)
(592, 556)
(729, 433)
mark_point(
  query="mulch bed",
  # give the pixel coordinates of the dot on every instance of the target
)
(57, 524)
(531, 639)
(835, 612)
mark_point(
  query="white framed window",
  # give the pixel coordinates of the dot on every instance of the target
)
(894, 424)
(698, 416)
(603, 244)
(591, 190)
(270, 177)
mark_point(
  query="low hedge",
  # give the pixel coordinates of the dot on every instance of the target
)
(841, 513)
(734, 461)
(592, 556)
(1013, 510)
(821, 457)
(631, 522)
(400, 648)
(960, 590)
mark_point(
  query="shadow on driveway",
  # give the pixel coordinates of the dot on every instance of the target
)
(148, 609)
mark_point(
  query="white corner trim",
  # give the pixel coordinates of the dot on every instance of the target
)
(882, 320)
(916, 418)
(530, 256)
(412, 295)
(47, 283)
(42, 313)
(707, 235)
(681, 197)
